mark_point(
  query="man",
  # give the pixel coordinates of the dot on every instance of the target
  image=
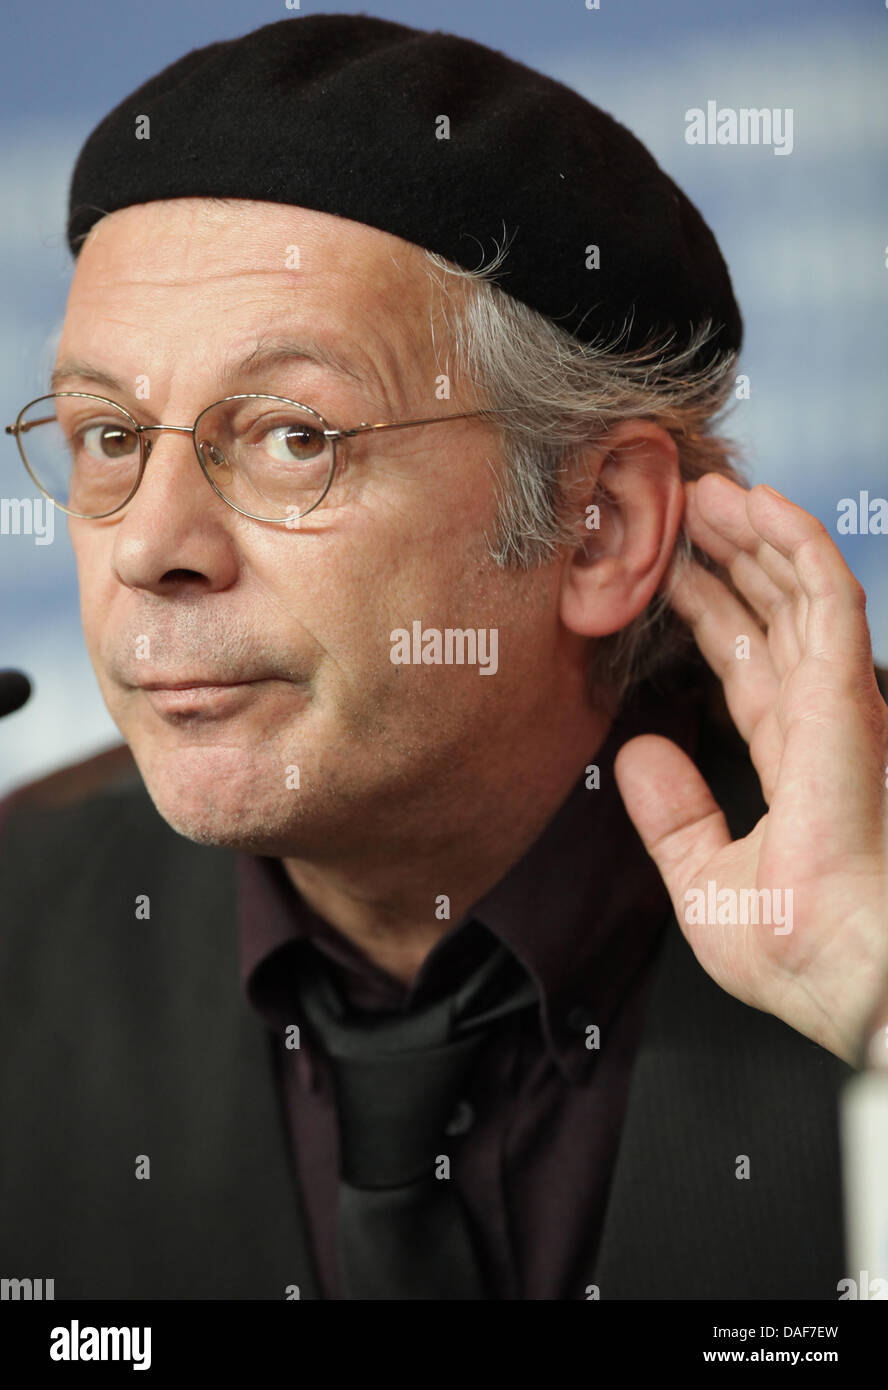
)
(406, 951)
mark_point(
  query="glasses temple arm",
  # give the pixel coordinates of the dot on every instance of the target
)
(28, 425)
(407, 424)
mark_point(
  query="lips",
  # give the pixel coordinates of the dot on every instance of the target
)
(195, 683)
(199, 700)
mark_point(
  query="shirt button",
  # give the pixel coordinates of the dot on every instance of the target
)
(578, 1019)
(462, 1119)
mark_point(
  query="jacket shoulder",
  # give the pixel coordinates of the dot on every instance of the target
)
(112, 769)
(98, 806)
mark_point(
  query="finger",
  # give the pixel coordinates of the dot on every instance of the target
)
(725, 508)
(718, 620)
(761, 573)
(832, 715)
(770, 603)
(672, 808)
(836, 630)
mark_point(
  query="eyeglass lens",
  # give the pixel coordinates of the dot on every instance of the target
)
(267, 457)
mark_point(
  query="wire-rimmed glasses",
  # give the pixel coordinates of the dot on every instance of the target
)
(269, 457)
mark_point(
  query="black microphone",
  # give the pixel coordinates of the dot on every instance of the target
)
(15, 691)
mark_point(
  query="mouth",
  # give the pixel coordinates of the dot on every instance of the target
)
(195, 683)
(204, 698)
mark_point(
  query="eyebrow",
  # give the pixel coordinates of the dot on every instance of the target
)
(267, 354)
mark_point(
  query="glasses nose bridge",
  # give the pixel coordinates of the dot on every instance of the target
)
(175, 429)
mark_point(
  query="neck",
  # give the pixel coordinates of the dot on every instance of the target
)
(398, 897)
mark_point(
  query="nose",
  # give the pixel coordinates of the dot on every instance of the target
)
(175, 533)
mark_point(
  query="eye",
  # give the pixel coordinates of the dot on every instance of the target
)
(295, 442)
(108, 441)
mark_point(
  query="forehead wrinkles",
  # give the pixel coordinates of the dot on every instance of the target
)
(377, 283)
(383, 334)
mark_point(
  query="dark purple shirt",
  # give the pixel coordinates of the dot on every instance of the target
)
(534, 1139)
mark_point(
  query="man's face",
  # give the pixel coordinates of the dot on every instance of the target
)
(179, 587)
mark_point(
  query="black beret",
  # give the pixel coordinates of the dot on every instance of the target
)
(340, 113)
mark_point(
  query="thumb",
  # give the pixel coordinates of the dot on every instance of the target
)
(671, 807)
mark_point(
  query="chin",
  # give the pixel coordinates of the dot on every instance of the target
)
(218, 795)
(224, 824)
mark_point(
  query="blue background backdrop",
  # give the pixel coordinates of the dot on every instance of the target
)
(804, 236)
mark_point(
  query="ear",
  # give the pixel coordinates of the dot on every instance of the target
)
(621, 557)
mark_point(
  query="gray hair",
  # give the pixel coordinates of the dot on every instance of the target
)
(571, 393)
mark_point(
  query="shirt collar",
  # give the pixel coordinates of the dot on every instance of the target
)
(583, 908)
